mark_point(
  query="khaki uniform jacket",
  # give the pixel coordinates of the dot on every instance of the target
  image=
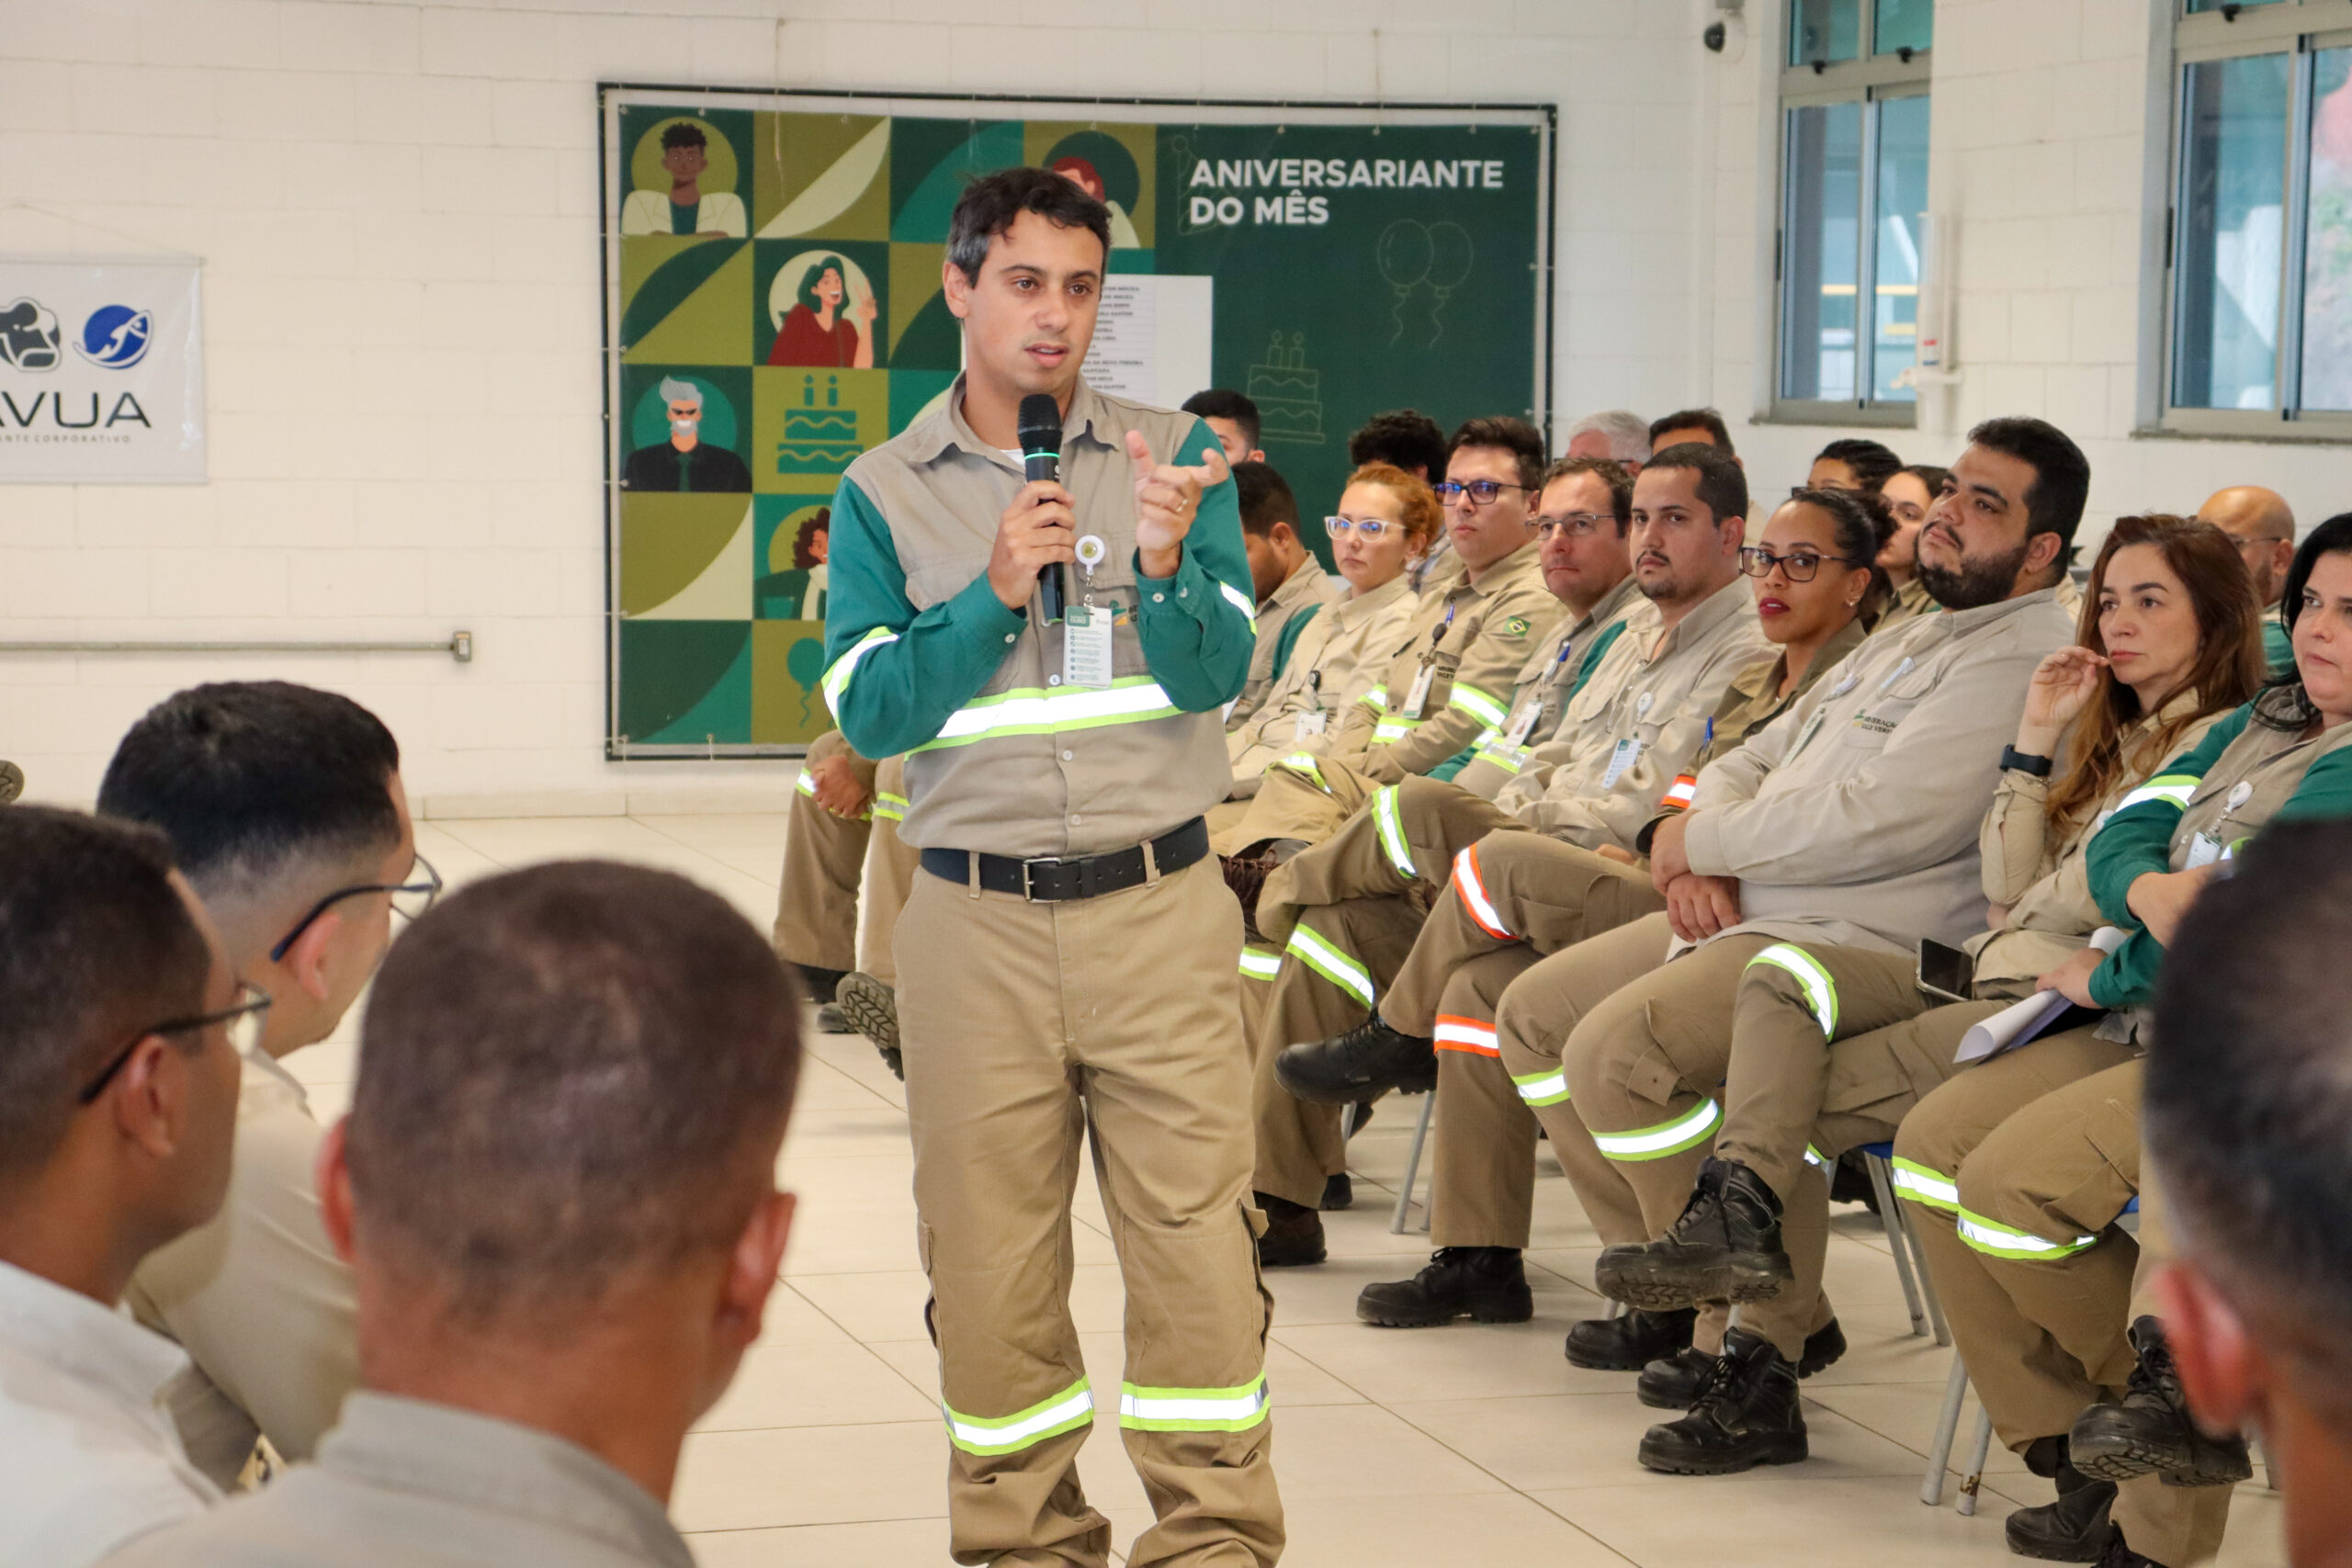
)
(1473, 637)
(1638, 722)
(1308, 589)
(2044, 882)
(1852, 818)
(404, 1482)
(1547, 682)
(1908, 604)
(1338, 656)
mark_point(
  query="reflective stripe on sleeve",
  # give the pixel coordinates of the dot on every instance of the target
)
(1688, 1130)
(1031, 711)
(1303, 764)
(1469, 1034)
(1375, 699)
(1332, 965)
(1193, 1409)
(1239, 601)
(1473, 894)
(1391, 729)
(1065, 1412)
(1919, 1184)
(806, 784)
(1476, 704)
(2174, 787)
(1814, 1157)
(836, 680)
(1681, 792)
(1820, 990)
(890, 808)
(1392, 832)
(1999, 1241)
(1257, 963)
(1542, 1089)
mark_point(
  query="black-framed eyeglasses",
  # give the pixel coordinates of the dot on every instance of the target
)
(410, 899)
(1482, 492)
(243, 1017)
(1803, 566)
(1363, 527)
(1577, 523)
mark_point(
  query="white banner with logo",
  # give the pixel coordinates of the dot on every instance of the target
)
(101, 372)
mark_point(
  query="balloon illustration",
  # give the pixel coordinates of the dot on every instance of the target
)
(805, 662)
(1403, 255)
(1451, 254)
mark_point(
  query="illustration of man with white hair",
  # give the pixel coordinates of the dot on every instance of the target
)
(685, 461)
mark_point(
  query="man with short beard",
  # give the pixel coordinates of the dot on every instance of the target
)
(2262, 525)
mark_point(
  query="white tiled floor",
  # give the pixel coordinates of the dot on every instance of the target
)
(1459, 1445)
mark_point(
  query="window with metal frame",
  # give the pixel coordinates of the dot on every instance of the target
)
(1853, 208)
(2258, 235)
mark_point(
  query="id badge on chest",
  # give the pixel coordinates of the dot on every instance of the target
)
(1086, 627)
(1627, 751)
(1418, 697)
(2203, 850)
(1306, 724)
(1523, 723)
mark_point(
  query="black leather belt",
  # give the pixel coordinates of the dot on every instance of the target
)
(1053, 881)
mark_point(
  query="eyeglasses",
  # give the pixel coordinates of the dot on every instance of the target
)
(1363, 527)
(1803, 566)
(410, 899)
(243, 1017)
(1576, 524)
(1482, 492)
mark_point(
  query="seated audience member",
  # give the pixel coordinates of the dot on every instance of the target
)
(1232, 418)
(283, 807)
(118, 1104)
(2247, 1106)
(1410, 440)
(847, 876)
(1514, 897)
(1291, 584)
(1853, 464)
(1704, 426)
(1851, 819)
(2022, 1166)
(1832, 1043)
(1908, 493)
(557, 1190)
(2263, 526)
(1618, 435)
(1385, 522)
(1346, 911)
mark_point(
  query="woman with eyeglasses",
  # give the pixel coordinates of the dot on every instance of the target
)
(1385, 522)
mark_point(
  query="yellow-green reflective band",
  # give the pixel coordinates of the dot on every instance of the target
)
(1542, 1089)
(1375, 699)
(1239, 601)
(1931, 1189)
(1688, 1130)
(1303, 763)
(1260, 964)
(1820, 990)
(1065, 1412)
(1392, 831)
(2174, 787)
(804, 785)
(1475, 703)
(2000, 1241)
(1814, 1157)
(1030, 711)
(1332, 965)
(890, 808)
(1388, 732)
(1193, 1409)
(836, 680)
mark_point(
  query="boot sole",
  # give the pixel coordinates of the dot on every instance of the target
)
(2111, 1456)
(876, 1017)
(1289, 1261)
(1670, 1287)
(1631, 1362)
(1485, 1312)
(1412, 1081)
(1790, 1450)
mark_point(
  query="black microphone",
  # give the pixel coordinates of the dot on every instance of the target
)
(1041, 458)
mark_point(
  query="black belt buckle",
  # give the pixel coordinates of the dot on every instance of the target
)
(1028, 884)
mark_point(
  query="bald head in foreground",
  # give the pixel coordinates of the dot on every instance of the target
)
(557, 1191)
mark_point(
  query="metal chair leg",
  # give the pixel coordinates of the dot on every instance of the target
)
(1908, 1219)
(1413, 1169)
(1931, 1488)
(1973, 1481)
(1894, 1221)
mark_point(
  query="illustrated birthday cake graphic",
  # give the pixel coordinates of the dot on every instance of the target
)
(1289, 396)
(818, 439)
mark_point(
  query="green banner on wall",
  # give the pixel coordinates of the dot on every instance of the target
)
(773, 308)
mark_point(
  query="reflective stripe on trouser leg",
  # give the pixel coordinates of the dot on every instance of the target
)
(1543, 1089)
(1257, 963)
(1687, 1130)
(1997, 1240)
(1473, 1035)
(1193, 1409)
(1333, 964)
(1470, 888)
(1065, 1412)
(1392, 832)
(1820, 990)
(1929, 1188)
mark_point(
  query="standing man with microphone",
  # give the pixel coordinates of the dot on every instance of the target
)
(1069, 962)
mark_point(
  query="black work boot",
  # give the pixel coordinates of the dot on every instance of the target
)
(1628, 1343)
(2074, 1529)
(1294, 1234)
(1672, 1382)
(1338, 1193)
(1485, 1284)
(2116, 1554)
(2152, 1429)
(1746, 1413)
(831, 1020)
(871, 1008)
(1725, 1248)
(1368, 1060)
(818, 983)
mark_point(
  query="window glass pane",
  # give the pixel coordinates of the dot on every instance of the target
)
(2232, 224)
(2327, 252)
(1823, 29)
(1820, 268)
(1902, 204)
(1903, 24)
(2197, 5)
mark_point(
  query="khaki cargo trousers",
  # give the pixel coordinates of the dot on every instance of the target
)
(1028, 1028)
(2017, 1169)
(826, 860)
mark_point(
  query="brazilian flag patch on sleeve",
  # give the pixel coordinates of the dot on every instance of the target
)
(1515, 627)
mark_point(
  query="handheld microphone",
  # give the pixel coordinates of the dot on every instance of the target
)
(1040, 426)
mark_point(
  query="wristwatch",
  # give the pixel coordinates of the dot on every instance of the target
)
(2013, 759)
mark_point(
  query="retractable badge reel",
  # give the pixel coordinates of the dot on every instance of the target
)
(1086, 628)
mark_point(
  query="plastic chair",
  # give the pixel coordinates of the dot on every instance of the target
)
(1412, 1170)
